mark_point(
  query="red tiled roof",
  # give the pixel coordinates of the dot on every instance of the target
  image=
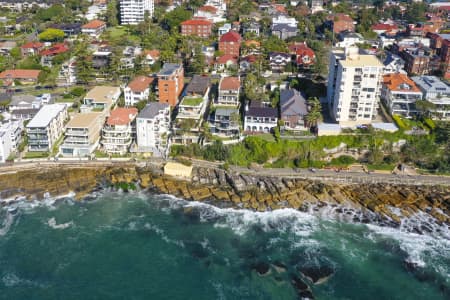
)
(32, 45)
(140, 83)
(250, 58)
(230, 36)
(342, 17)
(20, 74)
(153, 53)
(55, 49)
(208, 8)
(386, 27)
(197, 22)
(226, 58)
(122, 116)
(230, 83)
(394, 83)
(94, 24)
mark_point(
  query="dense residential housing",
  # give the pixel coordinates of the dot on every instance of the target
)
(119, 130)
(138, 90)
(46, 127)
(152, 129)
(354, 84)
(170, 83)
(133, 12)
(82, 134)
(400, 94)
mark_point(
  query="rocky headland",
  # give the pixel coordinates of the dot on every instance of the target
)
(383, 203)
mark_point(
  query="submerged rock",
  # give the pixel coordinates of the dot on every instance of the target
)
(317, 275)
(262, 268)
(303, 290)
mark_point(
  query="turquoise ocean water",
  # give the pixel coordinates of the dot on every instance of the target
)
(148, 246)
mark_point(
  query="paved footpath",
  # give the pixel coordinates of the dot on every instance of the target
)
(317, 174)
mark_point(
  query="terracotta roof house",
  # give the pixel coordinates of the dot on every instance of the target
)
(230, 43)
(304, 56)
(24, 76)
(138, 90)
(225, 61)
(200, 28)
(388, 29)
(400, 94)
(94, 28)
(246, 63)
(48, 54)
(150, 57)
(31, 48)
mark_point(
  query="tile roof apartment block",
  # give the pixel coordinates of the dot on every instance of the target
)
(94, 28)
(132, 12)
(46, 127)
(24, 76)
(200, 28)
(400, 94)
(152, 129)
(293, 110)
(230, 43)
(229, 88)
(138, 90)
(354, 84)
(82, 135)
(170, 83)
(119, 130)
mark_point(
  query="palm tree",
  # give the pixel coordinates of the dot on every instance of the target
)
(312, 118)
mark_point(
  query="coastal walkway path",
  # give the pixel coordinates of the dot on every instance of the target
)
(349, 177)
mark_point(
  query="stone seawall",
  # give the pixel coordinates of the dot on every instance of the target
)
(390, 202)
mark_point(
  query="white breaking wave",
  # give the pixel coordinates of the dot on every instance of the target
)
(422, 249)
(6, 224)
(52, 223)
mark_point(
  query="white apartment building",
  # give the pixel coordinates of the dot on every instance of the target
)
(152, 129)
(282, 19)
(10, 136)
(137, 90)
(46, 127)
(119, 130)
(133, 11)
(229, 88)
(14, 129)
(354, 86)
(68, 73)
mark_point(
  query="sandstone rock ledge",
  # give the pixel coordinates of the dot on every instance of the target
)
(388, 202)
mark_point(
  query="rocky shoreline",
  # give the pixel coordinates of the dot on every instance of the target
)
(387, 204)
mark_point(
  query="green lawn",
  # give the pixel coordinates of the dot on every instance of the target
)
(192, 101)
(384, 167)
(30, 155)
(117, 31)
